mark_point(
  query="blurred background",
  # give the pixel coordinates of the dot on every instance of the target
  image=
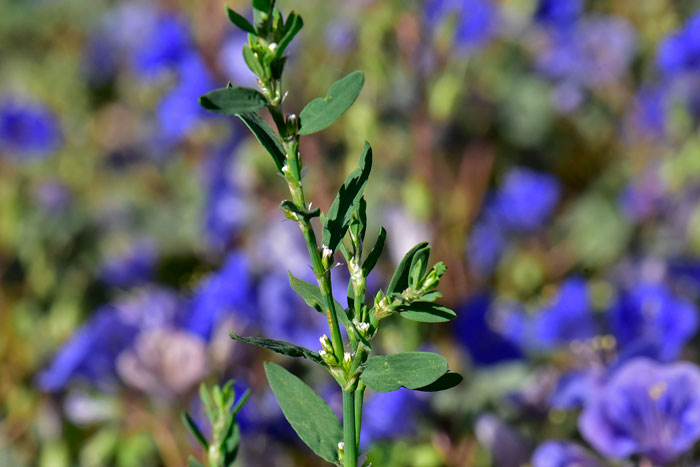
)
(546, 148)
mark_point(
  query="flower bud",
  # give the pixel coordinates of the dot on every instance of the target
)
(326, 344)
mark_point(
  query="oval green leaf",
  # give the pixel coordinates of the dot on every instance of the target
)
(427, 312)
(233, 100)
(446, 381)
(412, 370)
(309, 415)
(320, 113)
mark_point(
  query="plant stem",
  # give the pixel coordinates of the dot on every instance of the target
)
(323, 276)
(349, 438)
(359, 399)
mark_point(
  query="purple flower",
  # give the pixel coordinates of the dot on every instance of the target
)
(284, 315)
(165, 44)
(131, 266)
(558, 13)
(597, 51)
(563, 454)
(645, 408)
(91, 352)
(476, 23)
(526, 199)
(651, 313)
(179, 110)
(506, 446)
(680, 52)
(53, 196)
(340, 35)
(643, 196)
(648, 115)
(486, 243)
(28, 130)
(477, 332)
(574, 389)
(381, 412)
(226, 210)
(567, 319)
(228, 291)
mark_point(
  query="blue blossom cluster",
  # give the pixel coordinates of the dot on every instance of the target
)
(524, 201)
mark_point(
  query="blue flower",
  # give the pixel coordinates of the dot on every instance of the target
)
(526, 199)
(226, 209)
(563, 454)
(573, 389)
(650, 313)
(228, 291)
(132, 266)
(558, 13)
(648, 116)
(28, 130)
(645, 408)
(567, 319)
(486, 243)
(284, 315)
(167, 42)
(680, 52)
(597, 51)
(382, 411)
(475, 329)
(179, 110)
(476, 24)
(91, 352)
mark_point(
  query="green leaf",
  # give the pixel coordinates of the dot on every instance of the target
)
(426, 312)
(293, 212)
(192, 462)
(240, 21)
(252, 62)
(309, 415)
(399, 281)
(446, 381)
(375, 253)
(313, 297)
(241, 402)
(263, 5)
(412, 370)
(320, 113)
(192, 427)
(233, 101)
(291, 28)
(231, 441)
(336, 222)
(280, 347)
(266, 136)
(419, 264)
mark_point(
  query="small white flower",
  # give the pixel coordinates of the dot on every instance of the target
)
(341, 446)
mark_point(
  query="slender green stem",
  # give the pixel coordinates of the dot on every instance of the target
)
(359, 399)
(349, 438)
(323, 276)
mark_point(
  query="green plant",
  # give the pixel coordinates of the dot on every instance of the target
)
(221, 408)
(411, 293)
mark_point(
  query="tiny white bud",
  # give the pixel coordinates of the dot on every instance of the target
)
(363, 327)
(272, 46)
(347, 359)
(341, 446)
